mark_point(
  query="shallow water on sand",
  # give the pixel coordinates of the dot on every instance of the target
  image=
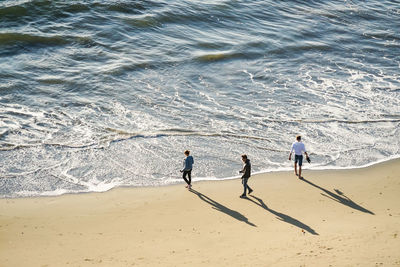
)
(98, 94)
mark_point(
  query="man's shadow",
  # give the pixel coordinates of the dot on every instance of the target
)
(281, 216)
(339, 197)
(215, 205)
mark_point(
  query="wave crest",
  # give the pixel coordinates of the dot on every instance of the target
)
(14, 37)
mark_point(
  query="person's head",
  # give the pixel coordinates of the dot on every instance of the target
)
(244, 157)
(187, 152)
(298, 138)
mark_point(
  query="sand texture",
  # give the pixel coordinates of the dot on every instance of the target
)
(331, 218)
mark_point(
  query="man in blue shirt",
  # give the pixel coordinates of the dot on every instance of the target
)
(187, 169)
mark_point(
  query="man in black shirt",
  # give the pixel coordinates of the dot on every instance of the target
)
(246, 175)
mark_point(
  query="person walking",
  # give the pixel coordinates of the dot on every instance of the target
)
(299, 148)
(187, 169)
(246, 175)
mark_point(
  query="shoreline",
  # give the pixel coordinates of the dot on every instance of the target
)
(210, 179)
(338, 218)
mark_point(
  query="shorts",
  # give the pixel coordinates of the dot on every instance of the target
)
(298, 158)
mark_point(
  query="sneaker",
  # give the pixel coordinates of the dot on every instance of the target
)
(250, 191)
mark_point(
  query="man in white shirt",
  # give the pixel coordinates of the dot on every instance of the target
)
(298, 147)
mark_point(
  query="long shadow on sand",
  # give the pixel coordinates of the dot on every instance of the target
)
(281, 216)
(339, 197)
(215, 205)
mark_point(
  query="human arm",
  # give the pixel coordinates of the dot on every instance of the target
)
(305, 153)
(184, 165)
(242, 170)
(307, 157)
(291, 151)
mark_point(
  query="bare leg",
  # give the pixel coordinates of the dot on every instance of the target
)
(299, 171)
(295, 168)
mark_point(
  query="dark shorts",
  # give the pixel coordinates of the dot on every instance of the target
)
(299, 159)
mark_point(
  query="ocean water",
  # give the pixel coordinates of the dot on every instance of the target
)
(101, 94)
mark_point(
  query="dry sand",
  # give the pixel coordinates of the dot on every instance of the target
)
(332, 218)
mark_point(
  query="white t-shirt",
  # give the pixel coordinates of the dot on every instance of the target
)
(298, 148)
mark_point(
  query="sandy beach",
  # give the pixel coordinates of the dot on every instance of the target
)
(331, 218)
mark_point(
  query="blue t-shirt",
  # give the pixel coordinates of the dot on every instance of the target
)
(188, 163)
